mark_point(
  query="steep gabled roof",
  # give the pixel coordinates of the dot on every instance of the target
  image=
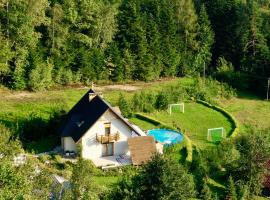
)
(84, 115)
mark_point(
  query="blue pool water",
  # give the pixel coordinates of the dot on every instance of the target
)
(166, 136)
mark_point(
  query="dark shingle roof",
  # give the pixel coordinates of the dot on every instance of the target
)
(83, 115)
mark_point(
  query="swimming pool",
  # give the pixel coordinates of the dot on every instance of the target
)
(166, 136)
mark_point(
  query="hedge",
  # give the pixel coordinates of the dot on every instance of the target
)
(189, 148)
(154, 121)
(163, 125)
(235, 130)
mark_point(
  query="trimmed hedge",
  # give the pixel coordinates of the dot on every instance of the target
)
(235, 130)
(153, 121)
(163, 125)
(189, 148)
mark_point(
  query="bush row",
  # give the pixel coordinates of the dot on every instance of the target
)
(232, 119)
(166, 126)
(208, 90)
(153, 121)
(189, 148)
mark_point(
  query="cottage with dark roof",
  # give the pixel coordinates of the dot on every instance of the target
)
(97, 128)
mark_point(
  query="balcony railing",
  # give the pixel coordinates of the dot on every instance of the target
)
(105, 139)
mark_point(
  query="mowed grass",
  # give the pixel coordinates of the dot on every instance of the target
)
(144, 125)
(105, 181)
(249, 110)
(195, 122)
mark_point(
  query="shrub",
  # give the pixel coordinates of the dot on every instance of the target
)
(162, 101)
(81, 181)
(223, 65)
(9, 145)
(143, 102)
(41, 76)
(160, 178)
(67, 77)
(124, 106)
(210, 90)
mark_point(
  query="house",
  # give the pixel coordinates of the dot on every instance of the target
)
(98, 131)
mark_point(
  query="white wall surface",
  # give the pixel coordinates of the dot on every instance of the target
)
(92, 149)
(69, 144)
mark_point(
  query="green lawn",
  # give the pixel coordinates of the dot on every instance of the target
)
(105, 181)
(144, 125)
(195, 122)
(249, 110)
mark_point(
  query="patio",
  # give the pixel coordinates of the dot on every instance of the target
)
(112, 161)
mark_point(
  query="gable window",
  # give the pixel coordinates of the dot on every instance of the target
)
(107, 128)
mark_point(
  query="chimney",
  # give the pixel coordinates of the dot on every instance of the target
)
(92, 95)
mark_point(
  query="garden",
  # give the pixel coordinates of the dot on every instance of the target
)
(33, 118)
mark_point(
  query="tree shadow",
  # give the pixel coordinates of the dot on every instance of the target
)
(248, 95)
(36, 133)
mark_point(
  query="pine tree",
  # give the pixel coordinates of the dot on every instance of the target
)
(144, 67)
(5, 54)
(206, 40)
(128, 64)
(187, 27)
(256, 56)
(231, 189)
(117, 68)
(206, 193)
(124, 106)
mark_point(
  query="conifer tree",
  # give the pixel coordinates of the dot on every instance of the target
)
(206, 40)
(256, 56)
(232, 194)
(206, 193)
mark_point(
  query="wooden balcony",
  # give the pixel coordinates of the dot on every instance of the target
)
(105, 139)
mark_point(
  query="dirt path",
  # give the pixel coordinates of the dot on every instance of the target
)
(9, 94)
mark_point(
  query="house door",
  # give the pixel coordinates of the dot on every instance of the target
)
(107, 149)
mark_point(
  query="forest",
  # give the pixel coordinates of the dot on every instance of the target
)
(55, 42)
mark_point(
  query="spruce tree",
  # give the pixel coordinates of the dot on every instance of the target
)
(206, 40)
(232, 194)
(206, 193)
(256, 56)
(124, 106)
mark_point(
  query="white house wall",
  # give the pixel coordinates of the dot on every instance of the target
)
(92, 149)
(69, 144)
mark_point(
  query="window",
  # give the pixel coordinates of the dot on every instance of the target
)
(107, 128)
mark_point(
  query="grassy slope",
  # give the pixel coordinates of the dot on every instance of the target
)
(18, 105)
(249, 111)
(194, 122)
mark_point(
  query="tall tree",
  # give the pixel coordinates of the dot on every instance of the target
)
(256, 54)
(206, 40)
(160, 178)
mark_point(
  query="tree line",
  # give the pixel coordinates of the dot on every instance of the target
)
(49, 42)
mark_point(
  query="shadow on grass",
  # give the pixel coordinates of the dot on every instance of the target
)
(36, 134)
(42, 145)
(249, 95)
